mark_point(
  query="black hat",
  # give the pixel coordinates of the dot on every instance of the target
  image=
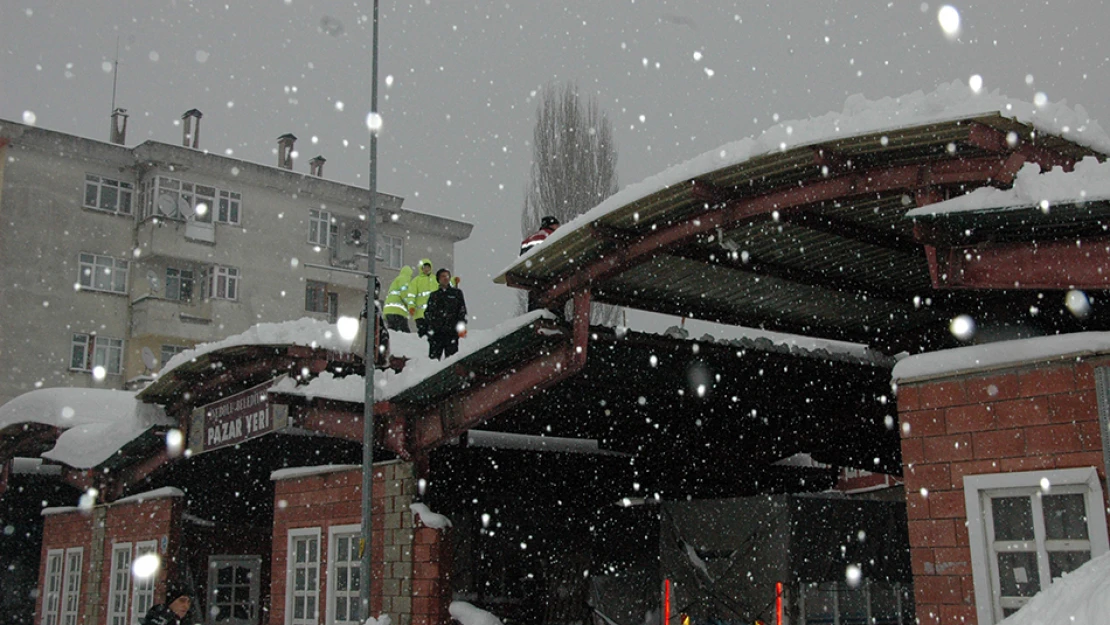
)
(549, 221)
(176, 590)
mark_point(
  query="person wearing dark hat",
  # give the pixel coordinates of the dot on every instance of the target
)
(548, 225)
(446, 317)
(178, 601)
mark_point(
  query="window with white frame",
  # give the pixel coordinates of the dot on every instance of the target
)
(302, 595)
(71, 586)
(229, 203)
(162, 196)
(318, 298)
(88, 351)
(102, 273)
(1027, 529)
(52, 586)
(391, 251)
(108, 195)
(119, 589)
(142, 591)
(179, 284)
(322, 230)
(220, 282)
(343, 575)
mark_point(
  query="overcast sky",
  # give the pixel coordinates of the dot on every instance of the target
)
(458, 80)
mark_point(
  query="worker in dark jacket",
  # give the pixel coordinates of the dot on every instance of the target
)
(446, 317)
(173, 611)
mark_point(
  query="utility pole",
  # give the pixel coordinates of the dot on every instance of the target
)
(365, 546)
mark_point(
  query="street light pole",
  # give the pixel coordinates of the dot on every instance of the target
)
(370, 353)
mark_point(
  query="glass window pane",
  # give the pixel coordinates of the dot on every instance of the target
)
(1013, 518)
(223, 576)
(1065, 517)
(108, 197)
(90, 193)
(1017, 574)
(1060, 562)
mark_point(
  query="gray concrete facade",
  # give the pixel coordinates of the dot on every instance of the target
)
(88, 279)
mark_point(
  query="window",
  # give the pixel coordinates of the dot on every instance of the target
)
(179, 284)
(321, 229)
(343, 575)
(102, 273)
(179, 199)
(1027, 529)
(318, 299)
(89, 351)
(221, 282)
(119, 593)
(391, 251)
(71, 586)
(108, 195)
(229, 207)
(837, 603)
(169, 351)
(142, 595)
(52, 587)
(303, 577)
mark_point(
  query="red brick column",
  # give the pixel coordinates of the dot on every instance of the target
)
(410, 563)
(1017, 419)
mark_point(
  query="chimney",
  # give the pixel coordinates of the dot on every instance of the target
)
(119, 126)
(316, 166)
(191, 132)
(285, 150)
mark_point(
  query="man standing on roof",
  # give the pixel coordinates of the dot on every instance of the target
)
(548, 225)
(396, 309)
(446, 317)
(420, 289)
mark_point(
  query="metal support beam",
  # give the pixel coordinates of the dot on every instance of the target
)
(1065, 264)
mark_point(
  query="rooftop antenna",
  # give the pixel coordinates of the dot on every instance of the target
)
(118, 134)
(115, 72)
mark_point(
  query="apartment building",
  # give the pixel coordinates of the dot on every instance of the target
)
(114, 258)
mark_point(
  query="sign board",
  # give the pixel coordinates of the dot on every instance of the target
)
(232, 420)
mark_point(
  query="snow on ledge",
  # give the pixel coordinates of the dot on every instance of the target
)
(1089, 182)
(298, 472)
(430, 519)
(159, 493)
(960, 360)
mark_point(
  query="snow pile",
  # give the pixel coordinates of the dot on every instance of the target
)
(381, 620)
(950, 101)
(468, 614)
(418, 368)
(1081, 597)
(305, 331)
(97, 422)
(430, 519)
(1089, 181)
(1000, 354)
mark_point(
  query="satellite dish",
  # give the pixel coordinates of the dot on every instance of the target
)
(152, 279)
(354, 237)
(149, 359)
(167, 204)
(184, 208)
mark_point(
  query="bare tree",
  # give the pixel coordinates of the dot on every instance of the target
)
(574, 167)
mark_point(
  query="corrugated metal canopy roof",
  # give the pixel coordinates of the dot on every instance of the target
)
(810, 240)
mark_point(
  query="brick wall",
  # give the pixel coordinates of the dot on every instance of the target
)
(409, 570)
(1018, 419)
(96, 530)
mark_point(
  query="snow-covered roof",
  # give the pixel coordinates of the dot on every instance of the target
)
(305, 331)
(165, 492)
(1001, 354)
(418, 368)
(1090, 181)
(948, 102)
(96, 422)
